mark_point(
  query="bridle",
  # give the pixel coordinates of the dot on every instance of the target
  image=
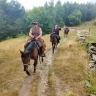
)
(28, 62)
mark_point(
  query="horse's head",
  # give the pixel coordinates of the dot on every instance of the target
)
(25, 56)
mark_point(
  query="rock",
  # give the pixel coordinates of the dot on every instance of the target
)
(91, 65)
(92, 95)
(92, 61)
(42, 91)
(70, 46)
(88, 83)
(94, 57)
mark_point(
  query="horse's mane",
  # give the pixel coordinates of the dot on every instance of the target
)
(30, 47)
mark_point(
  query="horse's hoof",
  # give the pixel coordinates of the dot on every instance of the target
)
(28, 73)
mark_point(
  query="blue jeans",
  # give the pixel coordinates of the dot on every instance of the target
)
(58, 37)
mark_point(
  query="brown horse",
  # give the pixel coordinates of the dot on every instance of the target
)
(32, 51)
(54, 42)
(66, 31)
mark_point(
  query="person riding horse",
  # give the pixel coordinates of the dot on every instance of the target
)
(36, 33)
(66, 31)
(56, 32)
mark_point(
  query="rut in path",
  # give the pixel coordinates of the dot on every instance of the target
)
(25, 89)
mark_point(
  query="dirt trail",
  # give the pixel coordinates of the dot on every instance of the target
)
(25, 89)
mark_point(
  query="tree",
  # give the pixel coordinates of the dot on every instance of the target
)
(75, 18)
(59, 14)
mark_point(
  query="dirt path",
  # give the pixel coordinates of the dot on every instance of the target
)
(44, 74)
(25, 89)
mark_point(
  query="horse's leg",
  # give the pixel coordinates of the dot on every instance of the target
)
(56, 45)
(26, 69)
(42, 59)
(35, 63)
(53, 47)
(27, 72)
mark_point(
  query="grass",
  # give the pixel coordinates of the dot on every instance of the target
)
(70, 66)
(11, 73)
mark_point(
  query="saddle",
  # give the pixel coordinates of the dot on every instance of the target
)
(39, 43)
(54, 35)
(39, 46)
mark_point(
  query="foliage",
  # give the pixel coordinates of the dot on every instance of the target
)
(75, 18)
(15, 20)
(12, 19)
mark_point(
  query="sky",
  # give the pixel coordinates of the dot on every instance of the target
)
(29, 4)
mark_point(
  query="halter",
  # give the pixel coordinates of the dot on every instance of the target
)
(26, 64)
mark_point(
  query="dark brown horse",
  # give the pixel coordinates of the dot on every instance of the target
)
(32, 51)
(54, 42)
(66, 31)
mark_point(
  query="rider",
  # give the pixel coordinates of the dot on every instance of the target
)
(36, 33)
(56, 32)
(66, 30)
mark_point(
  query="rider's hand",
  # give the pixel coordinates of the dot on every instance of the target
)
(32, 36)
(36, 38)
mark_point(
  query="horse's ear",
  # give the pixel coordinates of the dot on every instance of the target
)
(20, 51)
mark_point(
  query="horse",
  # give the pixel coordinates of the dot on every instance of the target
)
(54, 42)
(66, 31)
(32, 51)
